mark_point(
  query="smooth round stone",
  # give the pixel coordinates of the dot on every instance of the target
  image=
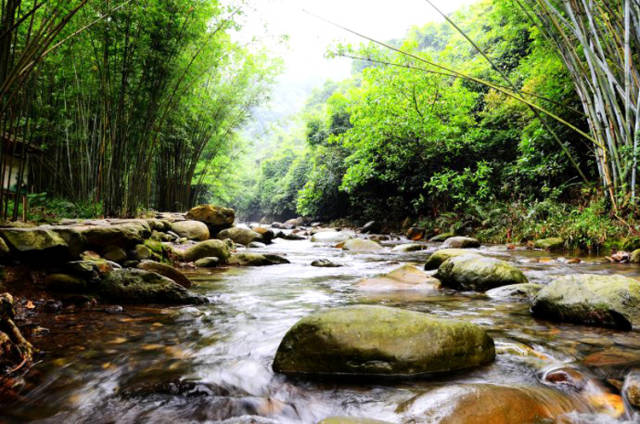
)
(377, 340)
(473, 272)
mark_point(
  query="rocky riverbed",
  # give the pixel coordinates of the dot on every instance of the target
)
(179, 318)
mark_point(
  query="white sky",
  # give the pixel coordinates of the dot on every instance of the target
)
(309, 37)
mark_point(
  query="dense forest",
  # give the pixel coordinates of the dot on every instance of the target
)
(487, 121)
(516, 119)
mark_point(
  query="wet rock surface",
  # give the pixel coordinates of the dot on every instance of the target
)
(376, 340)
(473, 272)
(590, 299)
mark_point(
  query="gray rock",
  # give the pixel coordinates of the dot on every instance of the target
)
(611, 301)
(377, 340)
(460, 243)
(473, 272)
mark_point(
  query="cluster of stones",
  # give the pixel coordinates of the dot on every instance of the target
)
(130, 260)
(378, 341)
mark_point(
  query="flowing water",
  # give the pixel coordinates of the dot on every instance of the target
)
(212, 363)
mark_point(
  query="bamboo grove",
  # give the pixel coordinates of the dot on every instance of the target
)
(116, 102)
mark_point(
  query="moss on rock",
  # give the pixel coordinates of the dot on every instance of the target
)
(611, 301)
(439, 256)
(377, 340)
(473, 272)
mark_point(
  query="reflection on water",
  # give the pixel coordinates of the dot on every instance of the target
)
(213, 362)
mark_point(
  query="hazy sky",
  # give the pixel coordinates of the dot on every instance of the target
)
(308, 37)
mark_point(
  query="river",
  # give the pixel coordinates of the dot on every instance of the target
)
(212, 363)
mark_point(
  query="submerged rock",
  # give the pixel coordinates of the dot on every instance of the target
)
(360, 245)
(193, 230)
(473, 272)
(406, 277)
(552, 243)
(526, 291)
(377, 340)
(439, 256)
(324, 263)
(488, 403)
(256, 259)
(239, 235)
(216, 217)
(611, 301)
(138, 286)
(209, 248)
(166, 271)
(460, 243)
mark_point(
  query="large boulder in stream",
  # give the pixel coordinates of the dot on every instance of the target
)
(439, 256)
(206, 249)
(611, 301)
(216, 217)
(380, 341)
(474, 272)
(488, 403)
(139, 286)
(193, 230)
(361, 246)
(240, 235)
(460, 242)
(407, 277)
(525, 292)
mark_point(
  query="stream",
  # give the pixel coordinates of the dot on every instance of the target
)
(212, 363)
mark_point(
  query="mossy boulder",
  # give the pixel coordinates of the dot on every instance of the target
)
(406, 277)
(377, 340)
(166, 271)
(36, 243)
(216, 217)
(209, 248)
(138, 286)
(526, 291)
(193, 230)
(330, 237)
(473, 272)
(439, 256)
(256, 259)
(239, 235)
(142, 252)
(611, 301)
(460, 243)
(121, 234)
(361, 245)
(551, 243)
(266, 234)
